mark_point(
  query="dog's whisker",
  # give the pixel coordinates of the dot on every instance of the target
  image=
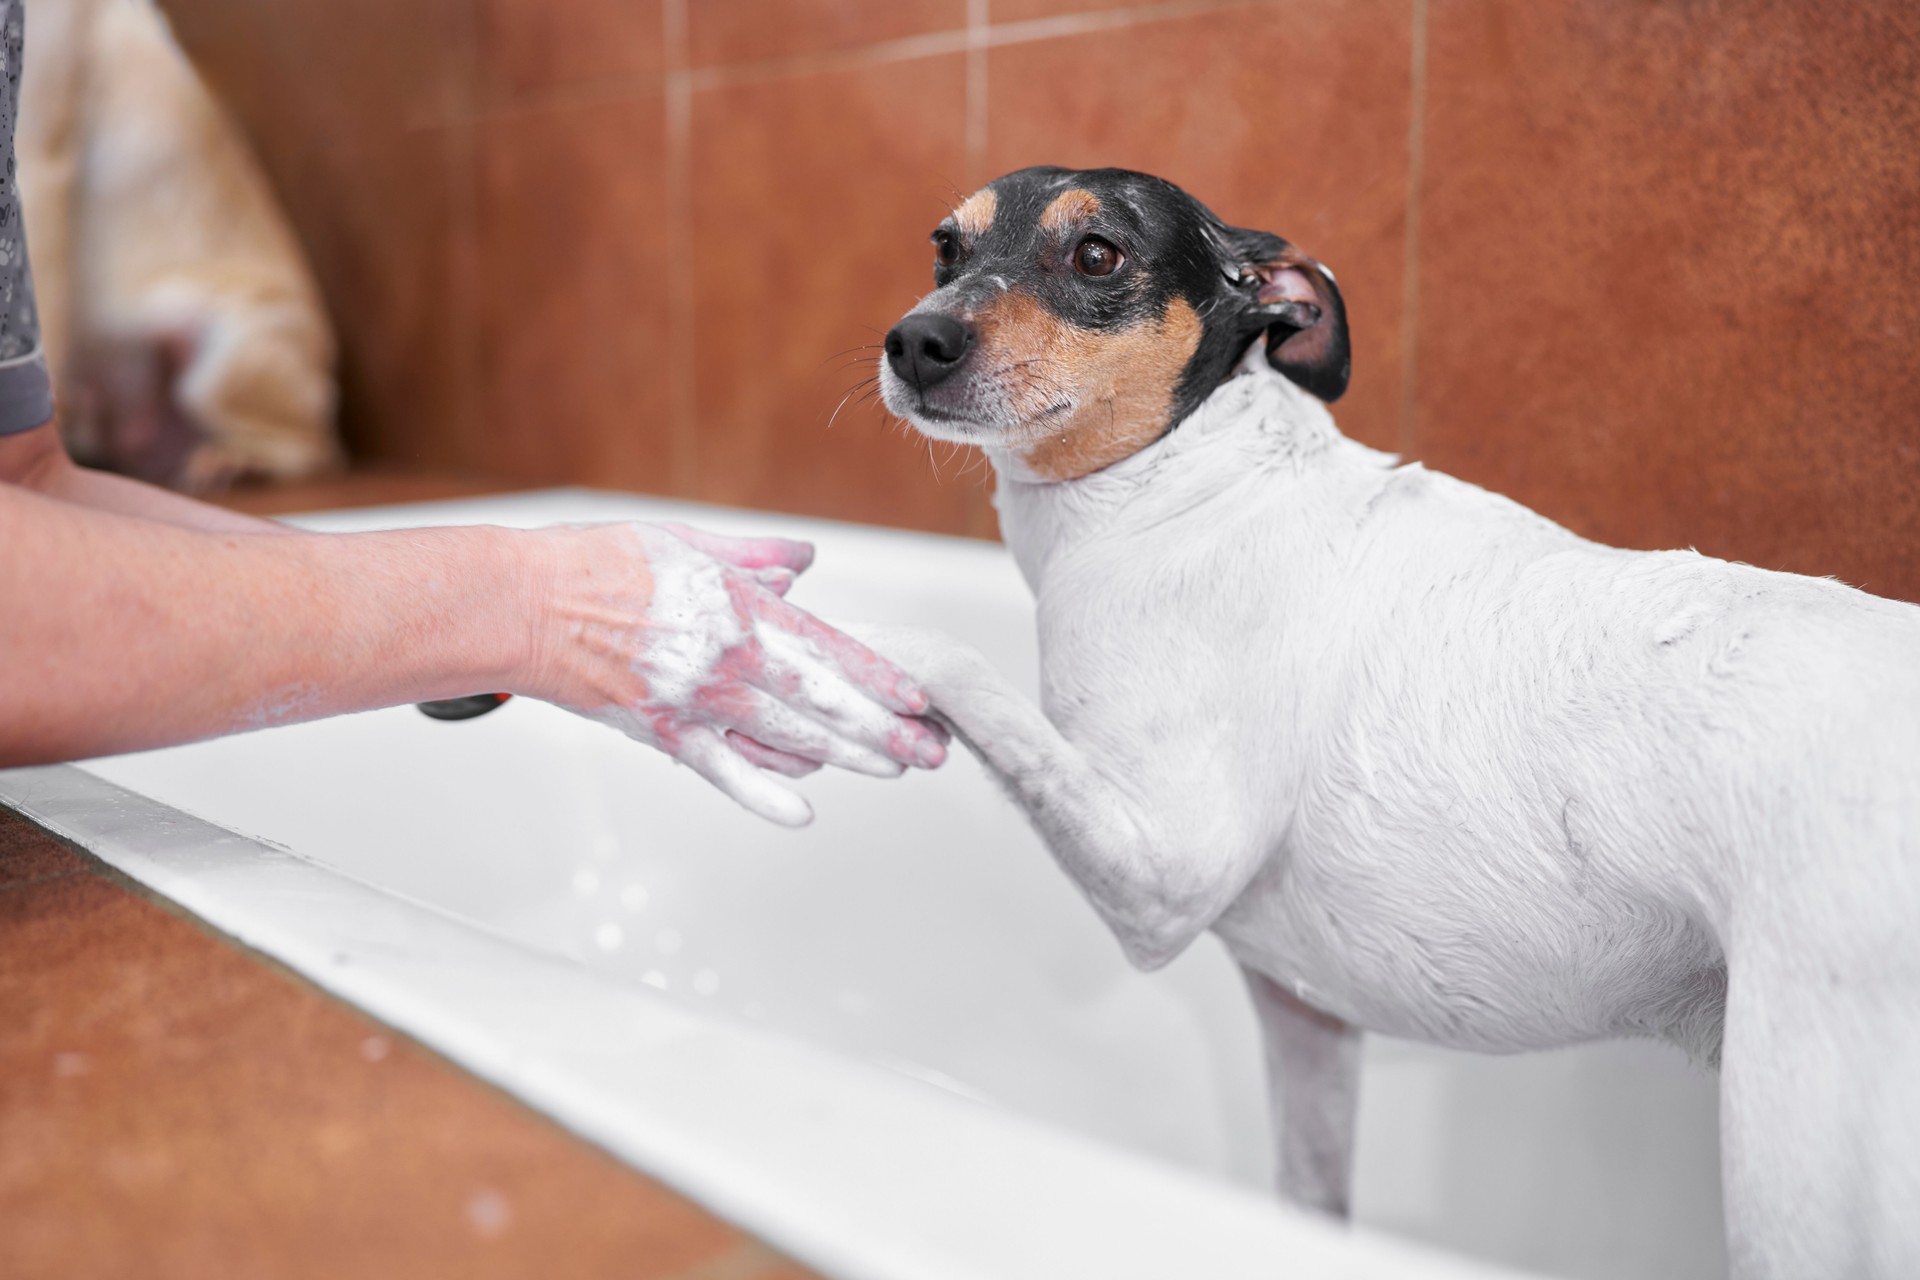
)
(934, 462)
(835, 415)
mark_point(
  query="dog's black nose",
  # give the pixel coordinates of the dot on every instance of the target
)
(925, 349)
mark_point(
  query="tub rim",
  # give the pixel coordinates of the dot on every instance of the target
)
(922, 1185)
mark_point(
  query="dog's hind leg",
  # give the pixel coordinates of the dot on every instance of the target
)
(1820, 1089)
(1313, 1086)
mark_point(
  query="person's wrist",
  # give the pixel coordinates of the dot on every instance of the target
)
(531, 631)
(36, 459)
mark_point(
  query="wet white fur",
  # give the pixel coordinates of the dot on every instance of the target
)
(1436, 767)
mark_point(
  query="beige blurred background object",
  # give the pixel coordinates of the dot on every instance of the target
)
(184, 330)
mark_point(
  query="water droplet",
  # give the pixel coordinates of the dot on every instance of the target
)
(489, 1212)
(633, 896)
(609, 936)
(374, 1048)
(606, 845)
(705, 982)
(68, 1065)
(586, 882)
(668, 941)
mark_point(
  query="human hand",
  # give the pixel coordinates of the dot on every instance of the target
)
(680, 639)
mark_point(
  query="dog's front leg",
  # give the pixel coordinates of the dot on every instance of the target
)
(1313, 1083)
(1159, 859)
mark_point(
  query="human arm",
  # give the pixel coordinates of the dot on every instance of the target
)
(38, 460)
(119, 633)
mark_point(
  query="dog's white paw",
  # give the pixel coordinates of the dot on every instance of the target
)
(943, 666)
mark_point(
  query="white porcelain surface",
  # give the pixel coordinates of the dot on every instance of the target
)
(648, 939)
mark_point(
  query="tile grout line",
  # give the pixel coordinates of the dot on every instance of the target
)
(1410, 280)
(933, 44)
(979, 521)
(904, 49)
(682, 410)
(980, 33)
(978, 23)
(1073, 24)
(606, 91)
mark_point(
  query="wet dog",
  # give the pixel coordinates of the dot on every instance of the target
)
(1429, 764)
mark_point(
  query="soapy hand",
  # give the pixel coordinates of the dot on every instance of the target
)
(680, 639)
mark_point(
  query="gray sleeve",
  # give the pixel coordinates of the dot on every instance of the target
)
(26, 395)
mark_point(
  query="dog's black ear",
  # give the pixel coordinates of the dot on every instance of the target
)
(1296, 301)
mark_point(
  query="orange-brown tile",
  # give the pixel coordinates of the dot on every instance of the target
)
(734, 31)
(29, 855)
(529, 45)
(1287, 118)
(1668, 271)
(173, 1107)
(1006, 11)
(573, 317)
(813, 199)
(375, 218)
(319, 73)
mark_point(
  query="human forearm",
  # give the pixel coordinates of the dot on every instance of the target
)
(119, 633)
(106, 492)
(37, 460)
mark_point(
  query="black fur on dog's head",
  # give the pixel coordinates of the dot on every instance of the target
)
(1078, 315)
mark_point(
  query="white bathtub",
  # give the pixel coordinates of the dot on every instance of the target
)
(896, 1044)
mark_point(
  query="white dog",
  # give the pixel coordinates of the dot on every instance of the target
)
(1429, 764)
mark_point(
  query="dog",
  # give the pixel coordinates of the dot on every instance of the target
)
(1429, 764)
(179, 317)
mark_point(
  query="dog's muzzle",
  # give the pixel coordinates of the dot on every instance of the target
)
(925, 350)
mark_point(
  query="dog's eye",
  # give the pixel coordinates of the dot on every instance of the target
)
(946, 247)
(1095, 257)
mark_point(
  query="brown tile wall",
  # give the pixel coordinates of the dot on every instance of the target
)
(1650, 267)
(1670, 273)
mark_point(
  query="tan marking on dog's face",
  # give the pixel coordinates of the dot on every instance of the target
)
(1068, 209)
(1120, 384)
(975, 214)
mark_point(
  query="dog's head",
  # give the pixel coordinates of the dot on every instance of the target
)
(1079, 314)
